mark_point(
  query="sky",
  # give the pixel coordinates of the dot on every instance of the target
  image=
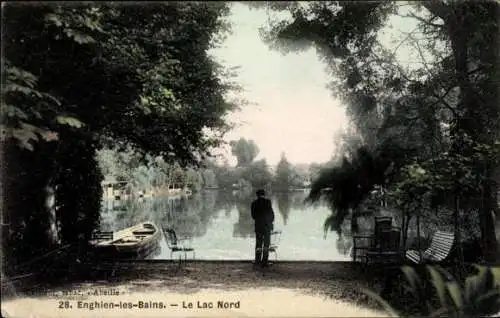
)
(292, 111)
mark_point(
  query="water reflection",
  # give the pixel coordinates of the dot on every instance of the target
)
(284, 202)
(245, 226)
(221, 225)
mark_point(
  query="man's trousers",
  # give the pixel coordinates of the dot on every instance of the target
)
(262, 242)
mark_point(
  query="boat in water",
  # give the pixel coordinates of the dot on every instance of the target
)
(135, 242)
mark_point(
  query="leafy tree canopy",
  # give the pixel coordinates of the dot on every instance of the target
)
(134, 73)
(244, 150)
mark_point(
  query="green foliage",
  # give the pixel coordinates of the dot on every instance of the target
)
(300, 176)
(209, 178)
(147, 87)
(445, 173)
(248, 173)
(194, 179)
(314, 170)
(126, 164)
(257, 173)
(347, 185)
(70, 121)
(97, 74)
(440, 111)
(244, 150)
(226, 176)
(284, 175)
(478, 296)
(151, 172)
(332, 26)
(29, 114)
(78, 214)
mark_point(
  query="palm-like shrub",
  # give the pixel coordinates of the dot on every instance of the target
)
(344, 187)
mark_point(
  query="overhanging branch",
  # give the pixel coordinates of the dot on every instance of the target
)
(438, 8)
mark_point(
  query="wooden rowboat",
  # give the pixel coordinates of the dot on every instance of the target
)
(133, 241)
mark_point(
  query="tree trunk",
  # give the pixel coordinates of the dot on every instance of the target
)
(79, 192)
(418, 236)
(487, 221)
(405, 229)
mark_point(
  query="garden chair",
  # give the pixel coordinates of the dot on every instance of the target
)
(367, 242)
(176, 244)
(273, 246)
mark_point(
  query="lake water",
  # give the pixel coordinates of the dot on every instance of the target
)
(221, 226)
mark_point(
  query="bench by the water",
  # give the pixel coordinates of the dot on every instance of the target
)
(438, 251)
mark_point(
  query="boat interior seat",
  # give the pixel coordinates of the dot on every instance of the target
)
(143, 232)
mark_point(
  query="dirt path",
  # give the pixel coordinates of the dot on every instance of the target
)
(297, 289)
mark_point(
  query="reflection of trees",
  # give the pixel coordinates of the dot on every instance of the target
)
(344, 242)
(298, 200)
(207, 210)
(117, 215)
(188, 216)
(191, 216)
(245, 225)
(284, 203)
(184, 217)
(224, 201)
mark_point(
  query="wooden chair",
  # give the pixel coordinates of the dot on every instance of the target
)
(361, 243)
(388, 249)
(176, 244)
(382, 223)
(440, 248)
(367, 242)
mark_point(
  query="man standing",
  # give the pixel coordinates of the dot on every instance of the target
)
(263, 215)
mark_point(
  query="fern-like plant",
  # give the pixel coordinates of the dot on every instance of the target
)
(478, 296)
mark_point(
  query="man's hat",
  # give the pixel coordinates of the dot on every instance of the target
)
(260, 192)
